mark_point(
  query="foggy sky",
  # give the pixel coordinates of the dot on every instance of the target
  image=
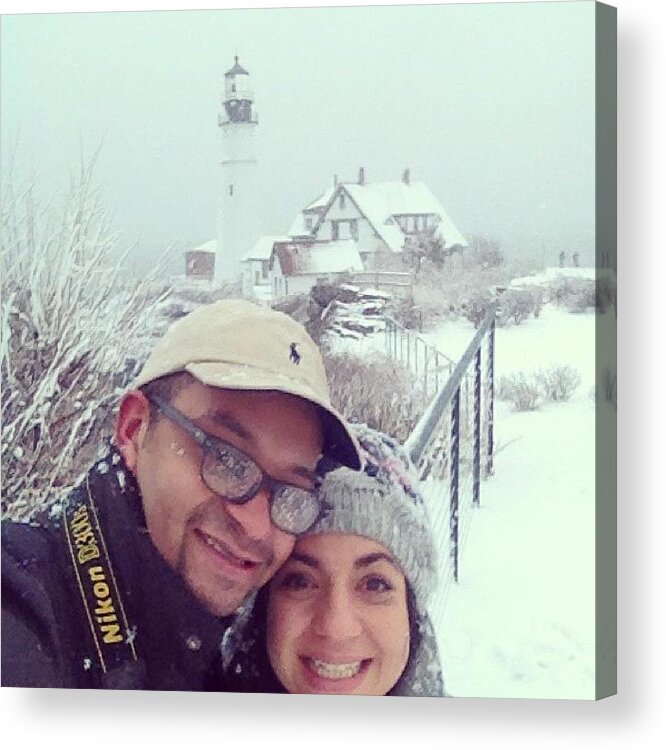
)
(491, 105)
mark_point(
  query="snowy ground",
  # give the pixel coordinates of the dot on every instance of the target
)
(521, 621)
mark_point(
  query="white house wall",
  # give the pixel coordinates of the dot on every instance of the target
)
(368, 241)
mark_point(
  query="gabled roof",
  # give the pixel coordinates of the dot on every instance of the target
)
(316, 207)
(380, 201)
(328, 257)
(263, 247)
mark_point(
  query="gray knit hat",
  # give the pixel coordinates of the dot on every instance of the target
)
(383, 502)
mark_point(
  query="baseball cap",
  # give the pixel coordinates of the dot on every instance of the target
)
(238, 345)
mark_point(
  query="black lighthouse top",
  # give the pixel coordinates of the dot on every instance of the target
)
(236, 70)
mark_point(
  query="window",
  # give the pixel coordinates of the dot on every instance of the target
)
(264, 268)
(308, 222)
(231, 190)
(353, 228)
(335, 230)
(256, 278)
(342, 200)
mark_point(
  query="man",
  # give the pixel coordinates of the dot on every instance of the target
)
(145, 580)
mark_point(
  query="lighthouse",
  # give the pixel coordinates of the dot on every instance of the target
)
(238, 212)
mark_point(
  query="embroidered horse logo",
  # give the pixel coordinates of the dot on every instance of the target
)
(294, 356)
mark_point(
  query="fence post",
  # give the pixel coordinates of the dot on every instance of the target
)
(477, 429)
(491, 397)
(455, 470)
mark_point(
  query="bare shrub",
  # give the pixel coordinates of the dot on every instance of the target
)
(521, 390)
(516, 305)
(477, 306)
(71, 337)
(574, 294)
(558, 383)
(378, 392)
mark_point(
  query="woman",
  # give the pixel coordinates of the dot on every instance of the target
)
(346, 614)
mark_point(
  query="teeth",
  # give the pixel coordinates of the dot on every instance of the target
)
(212, 543)
(335, 671)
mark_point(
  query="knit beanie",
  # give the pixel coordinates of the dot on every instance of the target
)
(383, 502)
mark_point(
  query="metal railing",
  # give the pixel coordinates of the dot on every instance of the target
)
(431, 369)
(452, 446)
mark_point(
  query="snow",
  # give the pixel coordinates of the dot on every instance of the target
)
(381, 200)
(588, 273)
(334, 257)
(263, 247)
(521, 621)
(207, 247)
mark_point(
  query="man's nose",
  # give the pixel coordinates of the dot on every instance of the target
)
(254, 515)
(336, 617)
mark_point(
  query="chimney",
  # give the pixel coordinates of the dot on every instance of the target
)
(405, 176)
(361, 176)
(335, 180)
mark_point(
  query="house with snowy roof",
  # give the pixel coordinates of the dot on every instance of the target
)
(379, 217)
(256, 277)
(296, 266)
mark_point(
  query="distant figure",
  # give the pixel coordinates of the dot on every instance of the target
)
(575, 258)
(562, 257)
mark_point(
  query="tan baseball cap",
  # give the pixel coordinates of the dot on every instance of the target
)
(238, 345)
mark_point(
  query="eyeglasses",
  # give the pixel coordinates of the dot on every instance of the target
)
(237, 478)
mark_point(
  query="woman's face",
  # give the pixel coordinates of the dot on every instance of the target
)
(337, 617)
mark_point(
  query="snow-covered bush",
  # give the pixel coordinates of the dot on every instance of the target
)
(558, 383)
(71, 337)
(377, 391)
(477, 305)
(575, 294)
(521, 390)
(516, 305)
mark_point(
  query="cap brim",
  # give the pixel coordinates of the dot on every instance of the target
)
(339, 443)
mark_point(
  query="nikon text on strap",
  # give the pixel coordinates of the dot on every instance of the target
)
(110, 631)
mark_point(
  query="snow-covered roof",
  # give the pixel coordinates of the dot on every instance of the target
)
(327, 257)
(263, 247)
(207, 247)
(317, 206)
(380, 201)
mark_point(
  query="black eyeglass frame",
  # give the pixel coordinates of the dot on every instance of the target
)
(210, 443)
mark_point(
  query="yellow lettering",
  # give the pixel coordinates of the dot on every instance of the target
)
(105, 607)
(111, 633)
(96, 573)
(101, 589)
(88, 552)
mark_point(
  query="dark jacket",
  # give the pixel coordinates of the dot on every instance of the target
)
(139, 628)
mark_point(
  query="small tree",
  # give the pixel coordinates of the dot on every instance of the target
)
(72, 334)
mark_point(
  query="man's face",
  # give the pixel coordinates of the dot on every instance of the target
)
(223, 551)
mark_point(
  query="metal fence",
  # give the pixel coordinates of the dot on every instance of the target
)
(431, 369)
(452, 447)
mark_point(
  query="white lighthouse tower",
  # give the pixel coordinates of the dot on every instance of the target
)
(238, 223)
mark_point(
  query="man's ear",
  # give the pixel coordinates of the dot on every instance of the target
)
(131, 426)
